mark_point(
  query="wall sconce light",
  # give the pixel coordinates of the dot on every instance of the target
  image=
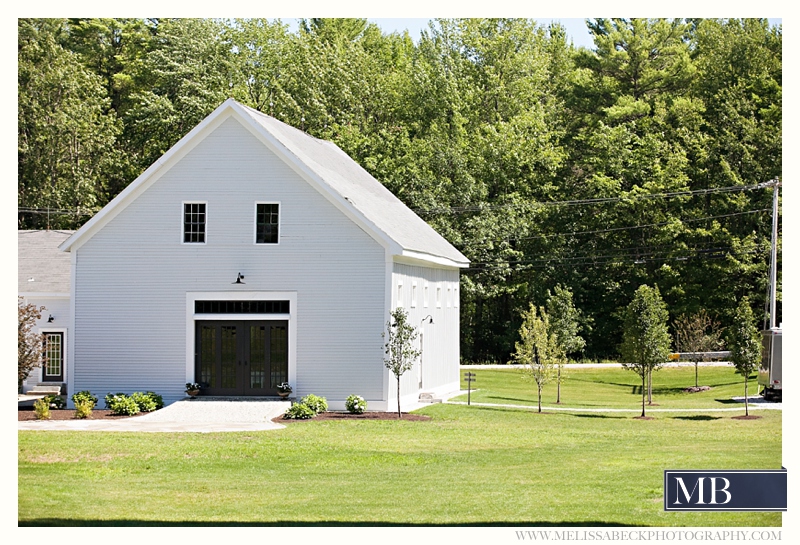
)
(239, 279)
(429, 318)
(50, 319)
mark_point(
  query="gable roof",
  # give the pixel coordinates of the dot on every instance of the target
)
(41, 267)
(327, 168)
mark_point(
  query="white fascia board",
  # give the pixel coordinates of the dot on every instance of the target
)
(315, 181)
(147, 178)
(410, 257)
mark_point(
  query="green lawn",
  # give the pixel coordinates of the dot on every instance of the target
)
(468, 465)
(613, 388)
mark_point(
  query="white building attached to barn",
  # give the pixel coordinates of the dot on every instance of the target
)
(250, 254)
(43, 280)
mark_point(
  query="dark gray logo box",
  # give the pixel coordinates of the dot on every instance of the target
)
(725, 490)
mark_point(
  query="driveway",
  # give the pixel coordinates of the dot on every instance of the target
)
(198, 416)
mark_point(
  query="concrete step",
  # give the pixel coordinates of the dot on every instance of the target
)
(426, 397)
(45, 389)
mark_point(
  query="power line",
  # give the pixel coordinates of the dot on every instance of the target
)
(606, 260)
(636, 252)
(660, 224)
(459, 209)
(55, 211)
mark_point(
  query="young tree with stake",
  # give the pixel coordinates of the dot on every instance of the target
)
(565, 325)
(697, 333)
(744, 341)
(538, 349)
(645, 338)
(399, 347)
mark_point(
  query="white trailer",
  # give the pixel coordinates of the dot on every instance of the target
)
(769, 373)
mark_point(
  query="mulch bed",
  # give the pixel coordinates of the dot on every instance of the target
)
(695, 389)
(332, 415)
(27, 413)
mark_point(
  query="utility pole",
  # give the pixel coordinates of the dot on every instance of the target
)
(773, 269)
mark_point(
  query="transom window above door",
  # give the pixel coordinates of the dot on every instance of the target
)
(267, 222)
(194, 223)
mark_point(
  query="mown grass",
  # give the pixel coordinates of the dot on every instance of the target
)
(610, 387)
(466, 466)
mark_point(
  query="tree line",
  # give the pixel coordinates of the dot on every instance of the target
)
(640, 161)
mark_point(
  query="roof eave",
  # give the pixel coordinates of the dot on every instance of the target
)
(412, 257)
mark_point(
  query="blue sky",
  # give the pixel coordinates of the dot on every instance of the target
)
(576, 27)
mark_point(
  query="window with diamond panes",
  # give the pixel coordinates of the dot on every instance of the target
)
(194, 222)
(267, 223)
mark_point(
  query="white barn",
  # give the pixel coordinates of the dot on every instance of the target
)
(252, 253)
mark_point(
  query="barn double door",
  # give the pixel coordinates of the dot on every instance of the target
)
(241, 357)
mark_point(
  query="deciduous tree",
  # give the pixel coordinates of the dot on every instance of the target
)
(645, 338)
(30, 343)
(65, 133)
(538, 349)
(744, 340)
(565, 323)
(697, 333)
(399, 347)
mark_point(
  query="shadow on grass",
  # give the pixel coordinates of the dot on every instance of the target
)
(699, 417)
(729, 402)
(597, 416)
(656, 389)
(608, 382)
(506, 399)
(126, 522)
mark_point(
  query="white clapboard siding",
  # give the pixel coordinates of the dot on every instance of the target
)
(132, 276)
(440, 353)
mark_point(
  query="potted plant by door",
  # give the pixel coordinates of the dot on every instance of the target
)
(192, 389)
(284, 389)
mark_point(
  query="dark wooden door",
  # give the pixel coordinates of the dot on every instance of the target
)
(241, 357)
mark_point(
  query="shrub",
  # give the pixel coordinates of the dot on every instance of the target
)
(109, 399)
(159, 401)
(84, 396)
(121, 404)
(299, 411)
(83, 408)
(54, 401)
(355, 404)
(315, 403)
(146, 401)
(42, 409)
